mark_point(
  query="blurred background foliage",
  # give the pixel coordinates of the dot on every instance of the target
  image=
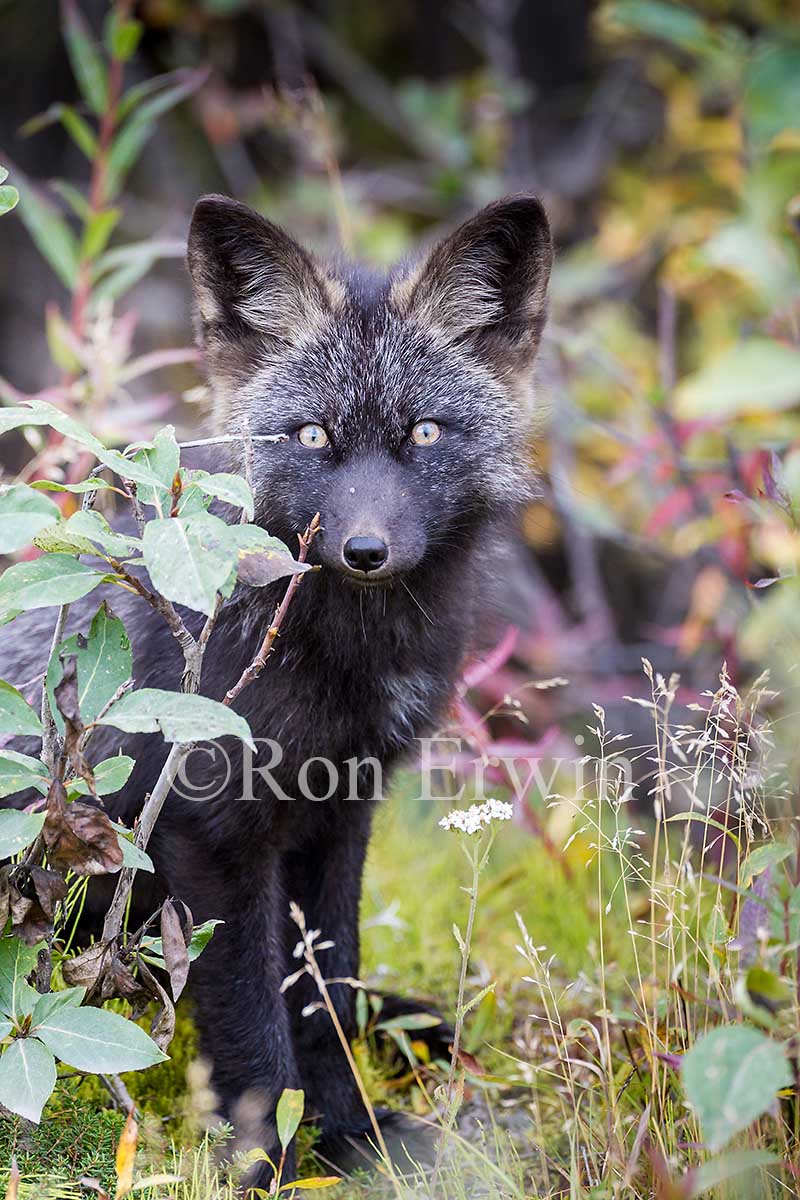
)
(665, 140)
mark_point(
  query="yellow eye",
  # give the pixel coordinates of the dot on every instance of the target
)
(313, 436)
(425, 433)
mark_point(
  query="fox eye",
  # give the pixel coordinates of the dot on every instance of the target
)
(425, 433)
(313, 436)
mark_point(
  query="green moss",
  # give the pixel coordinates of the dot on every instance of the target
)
(74, 1139)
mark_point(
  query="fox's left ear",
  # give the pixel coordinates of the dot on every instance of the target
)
(486, 284)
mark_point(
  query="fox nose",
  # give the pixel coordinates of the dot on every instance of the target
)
(365, 553)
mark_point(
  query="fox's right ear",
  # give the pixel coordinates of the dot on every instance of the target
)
(252, 280)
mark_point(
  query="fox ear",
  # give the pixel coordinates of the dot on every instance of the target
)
(486, 283)
(251, 278)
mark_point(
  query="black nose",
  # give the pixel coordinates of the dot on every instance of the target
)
(365, 553)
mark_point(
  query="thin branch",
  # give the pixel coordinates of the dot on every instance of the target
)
(248, 462)
(119, 1094)
(252, 672)
(235, 437)
(160, 604)
(51, 742)
(151, 811)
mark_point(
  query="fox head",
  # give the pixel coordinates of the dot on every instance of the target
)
(406, 402)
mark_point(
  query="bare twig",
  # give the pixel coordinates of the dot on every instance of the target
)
(89, 730)
(136, 504)
(151, 811)
(119, 1094)
(160, 604)
(234, 437)
(259, 662)
(248, 462)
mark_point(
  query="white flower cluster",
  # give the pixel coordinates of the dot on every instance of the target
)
(477, 817)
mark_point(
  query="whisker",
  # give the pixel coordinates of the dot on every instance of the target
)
(416, 601)
(361, 614)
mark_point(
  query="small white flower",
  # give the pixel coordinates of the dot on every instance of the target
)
(477, 817)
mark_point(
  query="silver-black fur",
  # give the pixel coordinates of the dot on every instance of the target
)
(367, 661)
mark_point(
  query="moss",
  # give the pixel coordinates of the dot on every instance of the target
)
(74, 1139)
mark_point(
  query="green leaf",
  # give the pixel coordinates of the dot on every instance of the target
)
(9, 199)
(136, 131)
(162, 458)
(110, 776)
(134, 96)
(5, 1029)
(192, 499)
(18, 830)
(38, 412)
(772, 87)
(289, 1114)
(16, 961)
(23, 512)
(105, 662)
(766, 989)
(128, 468)
(784, 918)
(85, 58)
(762, 858)
(92, 1039)
(61, 342)
(757, 376)
(16, 715)
(122, 37)
(73, 196)
(730, 1166)
(411, 1021)
(179, 717)
(189, 558)
(51, 579)
(52, 236)
(672, 22)
(731, 1077)
(132, 856)
(51, 1002)
(19, 772)
(232, 489)
(59, 539)
(95, 484)
(27, 1077)
(79, 130)
(82, 533)
(201, 936)
(138, 253)
(476, 1000)
(97, 232)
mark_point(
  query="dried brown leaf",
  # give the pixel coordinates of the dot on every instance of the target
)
(175, 943)
(79, 836)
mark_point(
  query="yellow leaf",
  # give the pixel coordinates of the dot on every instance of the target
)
(310, 1185)
(126, 1154)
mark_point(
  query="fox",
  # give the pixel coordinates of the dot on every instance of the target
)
(406, 402)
